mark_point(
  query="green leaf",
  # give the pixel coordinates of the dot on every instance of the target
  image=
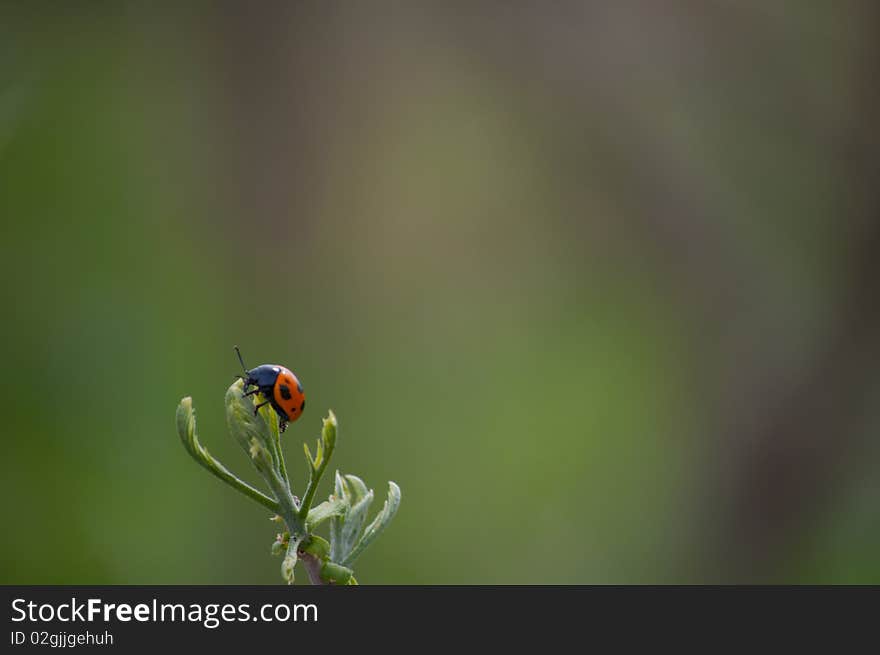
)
(326, 444)
(186, 426)
(290, 559)
(288, 564)
(255, 436)
(319, 454)
(328, 433)
(383, 518)
(271, 418)
(324, 511)
(316, 546)
(340, 493)
(186, 430)
(245, 426)
(352, 523)
(357, 487)
(336, 573)
(309, 458)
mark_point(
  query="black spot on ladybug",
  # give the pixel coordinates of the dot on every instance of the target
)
(285, 391)
(303, 406)
(293, 410)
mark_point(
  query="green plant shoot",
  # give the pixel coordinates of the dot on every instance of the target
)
(258, 434)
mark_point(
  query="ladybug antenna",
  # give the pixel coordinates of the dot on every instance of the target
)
(238, 352)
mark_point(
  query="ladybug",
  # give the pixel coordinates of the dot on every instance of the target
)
(279, 386)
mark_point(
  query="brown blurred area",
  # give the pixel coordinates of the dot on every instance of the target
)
(791, 406)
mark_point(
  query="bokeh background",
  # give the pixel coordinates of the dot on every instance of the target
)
(595, 283)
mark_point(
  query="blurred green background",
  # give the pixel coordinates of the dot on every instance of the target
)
(595, 283)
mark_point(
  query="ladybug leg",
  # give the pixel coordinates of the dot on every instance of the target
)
(251, 392)
(257, 407)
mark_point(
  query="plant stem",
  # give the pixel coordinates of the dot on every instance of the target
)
(309, 495)
(312, 565)
(282, 468)
(288, 508)
(275, 442)
(312, 486)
